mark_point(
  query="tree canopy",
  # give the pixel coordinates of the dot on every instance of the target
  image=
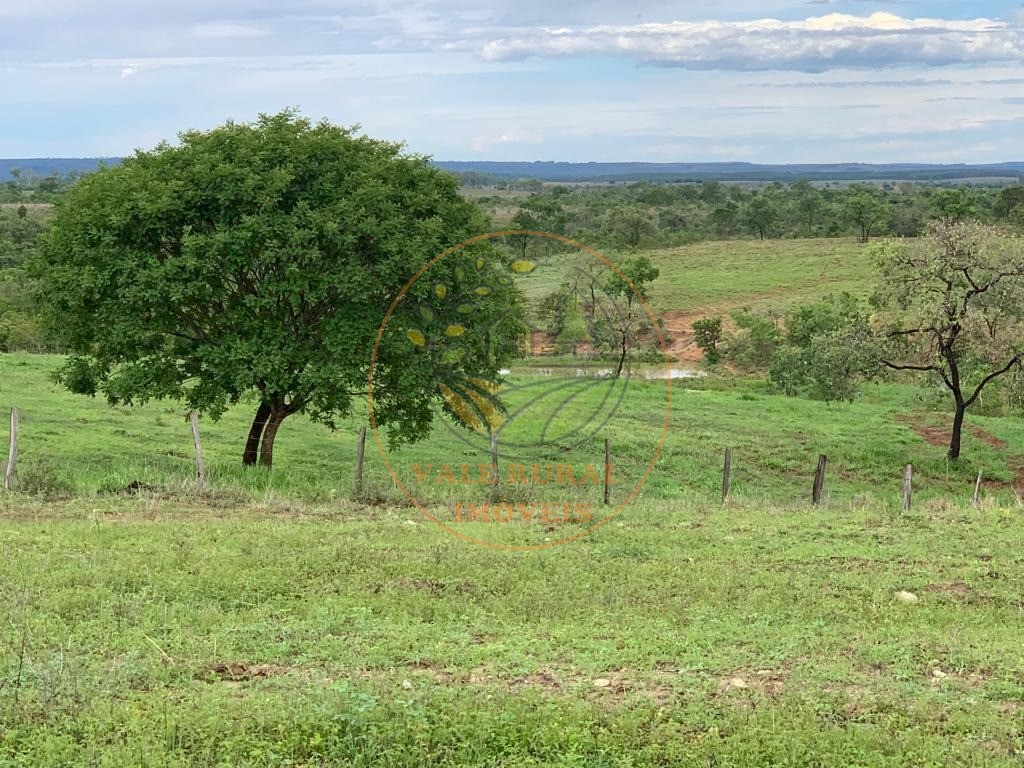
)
(262, 258)
(952, 307)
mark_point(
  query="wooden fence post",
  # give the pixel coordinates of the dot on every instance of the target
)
(726, 474)
(607, 471)
(12, 452)
(819, 479)
(360, 456)
(977, 491)
(908, 486)
(193, 419)
(494, 459)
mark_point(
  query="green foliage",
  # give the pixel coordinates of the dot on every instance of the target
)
(1016, 218)
(829, 315)
(708, 334)
(952, 308)
(867, 210)
(19, 316)
(829, 350)
(621, 320)
(263, 257)
(752, 347)
(1007, 200)
(762, 213)
(670, 214)
(629, 225)
(574, 329)
(956, 204)
(538, 214)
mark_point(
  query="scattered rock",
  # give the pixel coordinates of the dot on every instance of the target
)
(602, 682)
(938, 674)
(738, 683)
(407, 685)
(906, 597)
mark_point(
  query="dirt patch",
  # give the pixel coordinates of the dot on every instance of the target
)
(939, 436)
(997, 443)
(957, 591)
(241, 671)
(934, 436)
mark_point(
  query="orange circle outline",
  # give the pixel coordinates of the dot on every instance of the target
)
(668, 379)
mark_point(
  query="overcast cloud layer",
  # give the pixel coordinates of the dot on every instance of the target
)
(810, 45)
(758, 80)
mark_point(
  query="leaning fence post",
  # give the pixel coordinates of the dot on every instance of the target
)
(908, 486)
(193, 419)
(607, 471)
(977, 491)
(360, 455)
(12, 452)
(726, 474)
(819, 479)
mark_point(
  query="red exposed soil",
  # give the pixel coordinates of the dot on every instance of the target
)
(939, 437)
(988, 437)
(935, 436)
(678, 330)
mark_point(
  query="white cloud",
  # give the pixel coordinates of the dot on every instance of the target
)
(226, 31)
(812, 45)
(128, 72)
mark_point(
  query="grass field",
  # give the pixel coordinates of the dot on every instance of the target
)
(284, 619)
(78, 446)
(722, 275)
(776, 274)
(183, 635)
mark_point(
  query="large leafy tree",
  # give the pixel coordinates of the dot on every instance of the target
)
(762, 213)
(262, 258)
(952, 306)
(866, 209)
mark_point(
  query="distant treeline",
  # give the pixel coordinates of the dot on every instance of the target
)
(516, 174)
(644, 215)
(486, 173)
(27, 185)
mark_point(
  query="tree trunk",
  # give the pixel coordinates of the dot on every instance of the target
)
(269, 435)
(622, 357)
(252, 443)
(958, 425)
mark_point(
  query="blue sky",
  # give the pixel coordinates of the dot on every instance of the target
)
(600, 80)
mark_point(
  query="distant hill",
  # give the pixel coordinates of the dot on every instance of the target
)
(47, 166)
(658, 172)
(680, 172)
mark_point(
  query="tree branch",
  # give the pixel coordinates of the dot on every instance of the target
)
(994, 375)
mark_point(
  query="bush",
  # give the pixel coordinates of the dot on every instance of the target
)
(708, 334)
(754, 346)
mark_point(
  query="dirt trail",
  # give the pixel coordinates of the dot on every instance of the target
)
(939, 437)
